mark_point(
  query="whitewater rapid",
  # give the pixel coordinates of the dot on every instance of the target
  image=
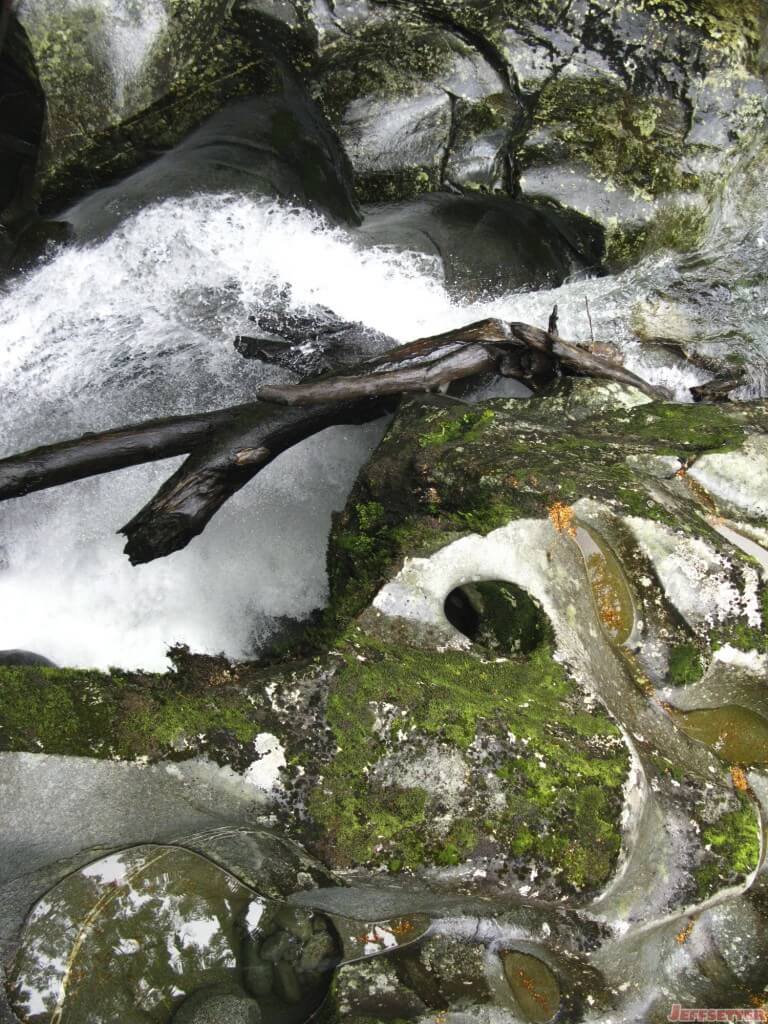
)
(142, 324)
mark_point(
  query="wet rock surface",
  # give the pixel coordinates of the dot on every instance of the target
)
(22, 123)
(488, 245)
(275, 145)
(516, 770)
(505, 707)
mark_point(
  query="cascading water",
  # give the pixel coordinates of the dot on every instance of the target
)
(142, 325)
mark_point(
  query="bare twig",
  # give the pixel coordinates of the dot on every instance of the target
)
(589, 317)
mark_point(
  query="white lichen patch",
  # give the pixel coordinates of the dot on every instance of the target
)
(442, 772)
(698, 581)
(739, 479)
(264, 773)
(748, 661)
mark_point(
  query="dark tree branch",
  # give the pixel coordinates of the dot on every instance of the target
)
(92, 454)
(581, 361)
(187, 501)
(228, 447)
(431, 362)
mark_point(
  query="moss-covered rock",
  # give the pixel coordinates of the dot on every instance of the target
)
(88, 713)
(107, 119)
(416, 106)
(621, 112)
(543, 774)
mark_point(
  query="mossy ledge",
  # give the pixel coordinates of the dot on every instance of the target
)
(544, 771)
(203, 705)
(446, 469)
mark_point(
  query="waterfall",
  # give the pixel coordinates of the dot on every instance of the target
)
(141, 324)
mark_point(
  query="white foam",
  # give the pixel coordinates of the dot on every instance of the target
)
(142, 325)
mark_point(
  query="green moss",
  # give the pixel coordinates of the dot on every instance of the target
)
(562, 778)
(468, 426)
(734, 841)
(126, 715)
(403, 183)
(444, 470)
(383, 60)
(198, 62)
(673, 429)
(627, 139)
(70, 44)
(729, 25)
(679, 228)
(685, 665)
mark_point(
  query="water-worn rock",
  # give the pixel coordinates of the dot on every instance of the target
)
(373, 990)
(621, 112)
(488, 245)
(215, 1007)
(276, 145)
(495, 711)
(417, 106)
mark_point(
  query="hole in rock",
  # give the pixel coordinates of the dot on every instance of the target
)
(498, 615)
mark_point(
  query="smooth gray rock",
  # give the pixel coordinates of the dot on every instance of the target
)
(488, 244)
(52, 807)
(277, 145)
(19, 657)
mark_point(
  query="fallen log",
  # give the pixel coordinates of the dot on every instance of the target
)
(92, 454)
(187, 501)
(228, 447)
(429, 363)
(582, 361)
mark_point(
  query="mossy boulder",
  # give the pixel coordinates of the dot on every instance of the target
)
(484, 700)
(621, 112)
(115, 106)
(273, 144)
(416, 106)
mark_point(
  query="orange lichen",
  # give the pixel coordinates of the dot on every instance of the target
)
(739, 777)
(561, 517)
(530, 986)
(401, 927)
(683, 936)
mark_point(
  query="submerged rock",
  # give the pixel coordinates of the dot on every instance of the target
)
(274, 145)
(488, 245)
(212, 1007)
(169, 922)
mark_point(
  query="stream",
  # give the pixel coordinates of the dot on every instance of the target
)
(142, 324)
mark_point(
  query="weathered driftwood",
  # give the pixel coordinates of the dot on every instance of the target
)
(433, 362)
(92, 454)
(228, 447)
(187, 501)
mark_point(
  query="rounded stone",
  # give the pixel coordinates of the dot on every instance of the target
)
(533, 985)
(210, 1006)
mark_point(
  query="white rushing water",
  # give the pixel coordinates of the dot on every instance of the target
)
(142, 324)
